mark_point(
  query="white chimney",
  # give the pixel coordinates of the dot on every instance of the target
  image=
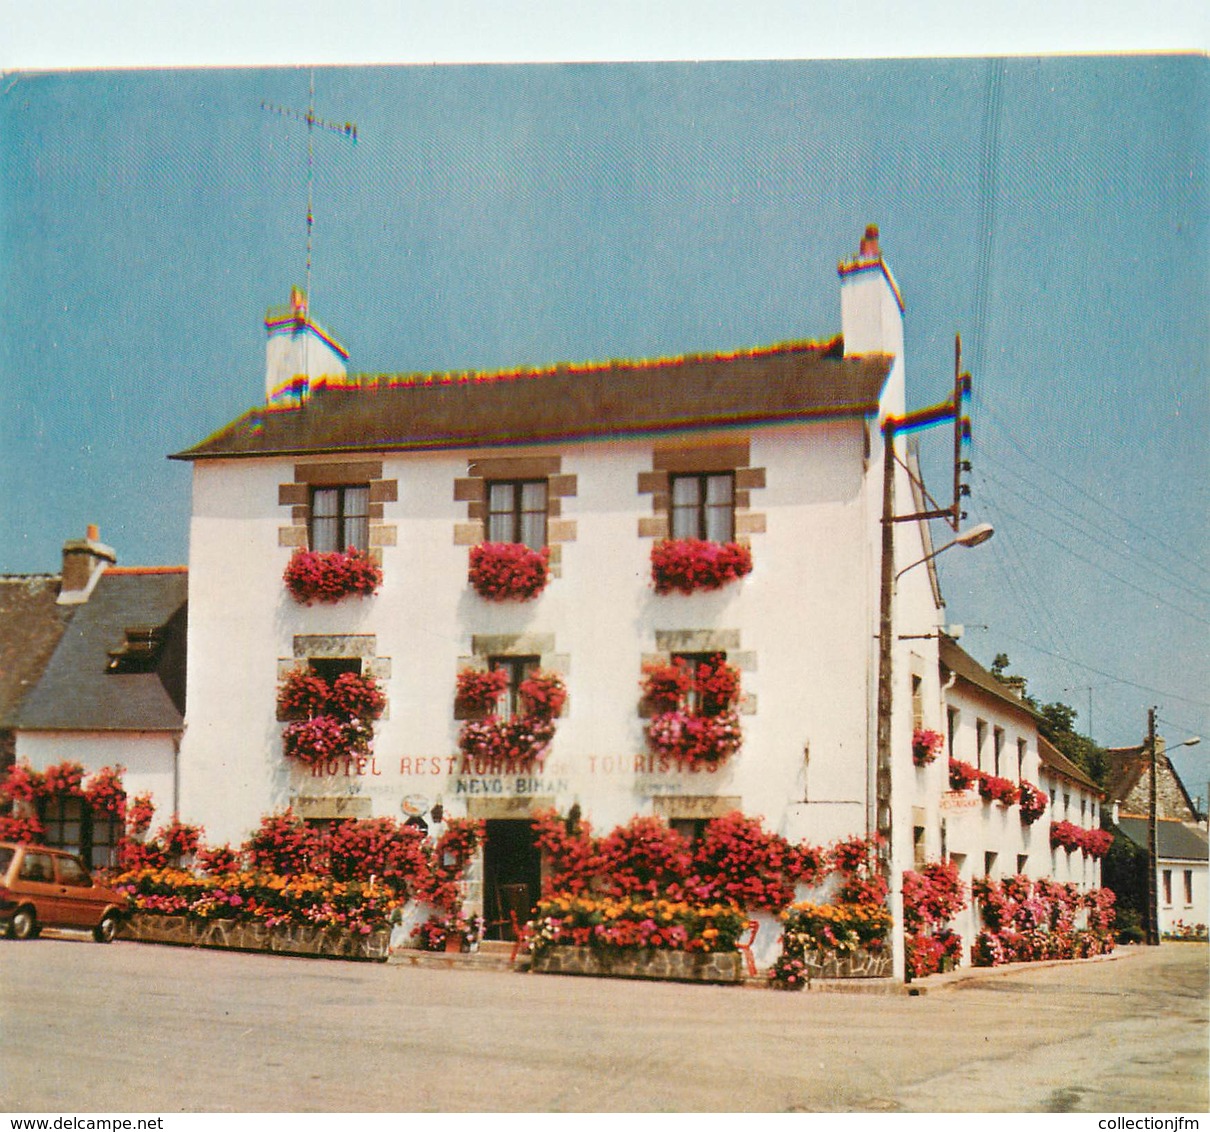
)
(299, 353)
(871, 308)
(84, 561)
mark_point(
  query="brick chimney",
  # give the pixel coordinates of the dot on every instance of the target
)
(84, 561)
(299, 354)
(871, 307)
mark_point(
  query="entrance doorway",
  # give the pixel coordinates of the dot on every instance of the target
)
(512, 875)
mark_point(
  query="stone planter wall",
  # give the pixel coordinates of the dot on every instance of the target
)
(648, 963)
(237, 935)
(849, 965)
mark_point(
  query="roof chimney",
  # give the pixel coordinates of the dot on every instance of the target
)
(84, 561)
(299, 353)
(870, 304)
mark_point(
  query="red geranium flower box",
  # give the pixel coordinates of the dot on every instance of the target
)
(330, 576)
(688, 565)
(508, 571)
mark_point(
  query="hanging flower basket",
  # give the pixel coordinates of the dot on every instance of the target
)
(508, 571)
(695, 722)
(1033, 803)
(325, 737)
(993, 788)
(689, 565)
(524, 739)
(962, 775)
(926, 746)
(351, 695)
(478, 692)
(331, 576)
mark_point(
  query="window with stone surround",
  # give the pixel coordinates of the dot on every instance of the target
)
(517, 499)
(337, 505)
(701, 490)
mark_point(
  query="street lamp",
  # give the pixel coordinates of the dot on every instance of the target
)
(977, 534)
(1153, 830)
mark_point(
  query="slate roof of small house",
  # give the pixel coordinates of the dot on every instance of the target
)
(31, 624)
(1127, 765)
(79, 692)
(965, 667)
(1175, 840)
(1058, 763)
(384, 412)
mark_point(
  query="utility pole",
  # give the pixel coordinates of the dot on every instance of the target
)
(1153, 843)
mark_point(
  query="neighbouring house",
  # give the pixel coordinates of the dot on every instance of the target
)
(592, 522)
(94, 674)
(1006, 802)
(1182, 868)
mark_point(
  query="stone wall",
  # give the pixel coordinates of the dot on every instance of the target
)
(238, 935)
(647, 963)
(849, 965)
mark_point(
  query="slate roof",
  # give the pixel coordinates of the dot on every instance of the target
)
(1058, 763)
(1176, 840)
(31, 624)
(400, 412)
(965, 667)
(78, 691)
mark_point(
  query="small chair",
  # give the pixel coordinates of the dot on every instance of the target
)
(521, 934)
(746, 947)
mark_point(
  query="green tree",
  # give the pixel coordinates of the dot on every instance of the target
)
(1058, 723)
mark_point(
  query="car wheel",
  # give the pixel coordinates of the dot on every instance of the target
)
(23, 925)
(106, 929)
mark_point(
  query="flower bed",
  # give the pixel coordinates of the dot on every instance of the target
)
(508, 571)
(1027, 920)
(261, 898)
(331, 576)
(630, 923)
(689, 565)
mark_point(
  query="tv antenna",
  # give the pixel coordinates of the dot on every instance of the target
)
(346, 130)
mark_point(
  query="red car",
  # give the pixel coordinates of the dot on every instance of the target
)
(41, 887)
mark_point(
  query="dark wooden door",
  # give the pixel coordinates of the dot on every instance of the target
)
(512, 875)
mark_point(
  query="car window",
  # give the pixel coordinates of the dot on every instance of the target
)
(73, 873)
(38, 867)
(6, 859)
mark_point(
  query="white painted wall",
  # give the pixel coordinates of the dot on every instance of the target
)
(1189, 912)
(148, 758)
(803, 615)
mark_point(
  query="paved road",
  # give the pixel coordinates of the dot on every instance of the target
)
(134, 1027)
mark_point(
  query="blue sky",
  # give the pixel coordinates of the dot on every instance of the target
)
(1052, 210)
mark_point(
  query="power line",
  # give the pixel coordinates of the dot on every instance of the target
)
(1101, 672)
(1081, 522)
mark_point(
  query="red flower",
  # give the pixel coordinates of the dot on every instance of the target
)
(508, 571)
(688, 565)
(330, 576)
(926, 746)
(962, 775)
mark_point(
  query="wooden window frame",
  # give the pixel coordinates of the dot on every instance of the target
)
(519, 668)
(701, 510)
(516, 513)
(342, 518)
